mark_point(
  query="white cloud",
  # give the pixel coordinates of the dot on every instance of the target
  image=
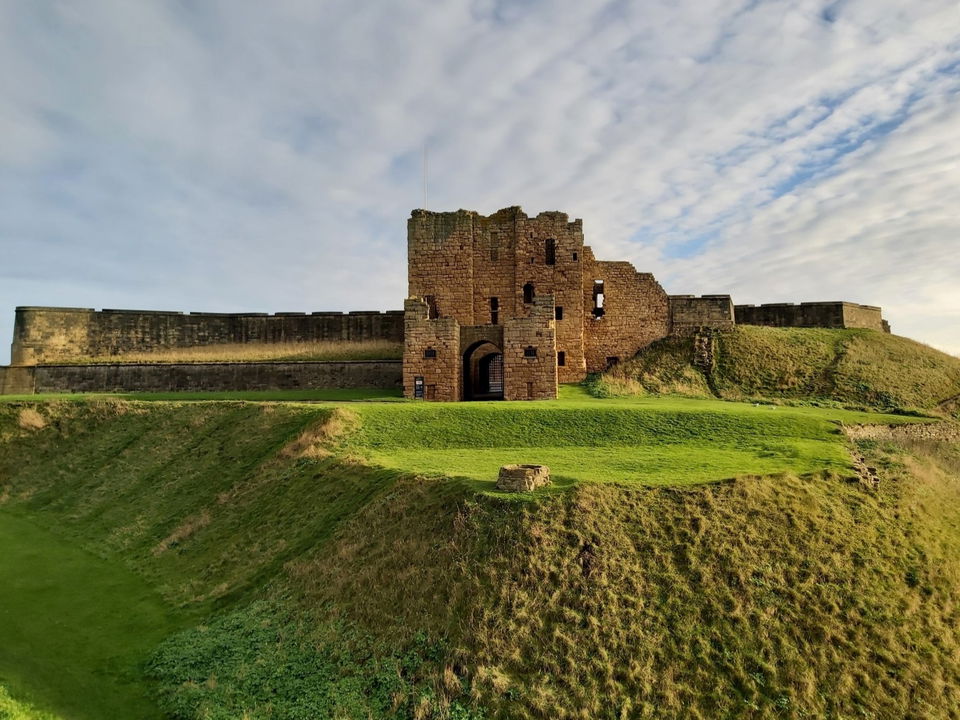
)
(264, 156)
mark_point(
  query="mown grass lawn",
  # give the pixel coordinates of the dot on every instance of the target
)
(73, 629)
(651, 440)
(647, 440)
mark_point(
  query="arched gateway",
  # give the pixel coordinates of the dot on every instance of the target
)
(483, 372)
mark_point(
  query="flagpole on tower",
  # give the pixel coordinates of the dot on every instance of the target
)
(424, 176)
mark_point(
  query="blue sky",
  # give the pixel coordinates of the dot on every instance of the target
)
(232, 156)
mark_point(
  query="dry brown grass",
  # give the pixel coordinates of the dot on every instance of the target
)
(258, 352)
(315, 442)
(183, 531)
(30, 418)
(761, 597)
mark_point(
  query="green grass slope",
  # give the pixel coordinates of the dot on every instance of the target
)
(856, 367)
(12, 709)
(334, 582)
(97, 618)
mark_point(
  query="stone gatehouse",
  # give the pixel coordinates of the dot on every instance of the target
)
(507, 306)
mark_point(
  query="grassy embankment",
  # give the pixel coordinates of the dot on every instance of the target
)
(344, 584)
(11, 709)
(255, 352)
(852, 367)
(318, 395)
(74, 621)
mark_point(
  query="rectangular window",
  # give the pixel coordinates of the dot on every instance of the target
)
(530, 351)
(598, 297)
(433, 312)
(558, 312)
(561, 358)
(430, 353)
(494, 311)
(550, 251)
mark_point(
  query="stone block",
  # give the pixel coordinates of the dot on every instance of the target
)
(523, 478)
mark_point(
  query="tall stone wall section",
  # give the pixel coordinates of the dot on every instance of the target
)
(864, 316)
(689, 313)
(17, 380)
(813, 314)
(636, 312)
(440, 262)
(49, 335)
(530, 354)
(431, 352)
(562, 279)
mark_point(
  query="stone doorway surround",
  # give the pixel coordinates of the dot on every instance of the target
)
(483, 371)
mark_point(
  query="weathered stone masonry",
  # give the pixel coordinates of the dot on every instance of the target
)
(44, 335)
(563, 313)
(212, 377)
(836, 314)
(479, 322)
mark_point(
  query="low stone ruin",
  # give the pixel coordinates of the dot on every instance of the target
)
(523, 478)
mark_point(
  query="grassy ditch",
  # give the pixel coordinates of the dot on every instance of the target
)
(75, 626)
(13, 709)
(334, 582)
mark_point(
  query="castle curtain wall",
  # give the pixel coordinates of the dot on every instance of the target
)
(635, 309)
(51, 335)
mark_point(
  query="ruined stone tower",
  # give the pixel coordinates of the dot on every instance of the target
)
(505, 306)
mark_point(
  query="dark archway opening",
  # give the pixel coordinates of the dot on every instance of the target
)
(483, 372)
